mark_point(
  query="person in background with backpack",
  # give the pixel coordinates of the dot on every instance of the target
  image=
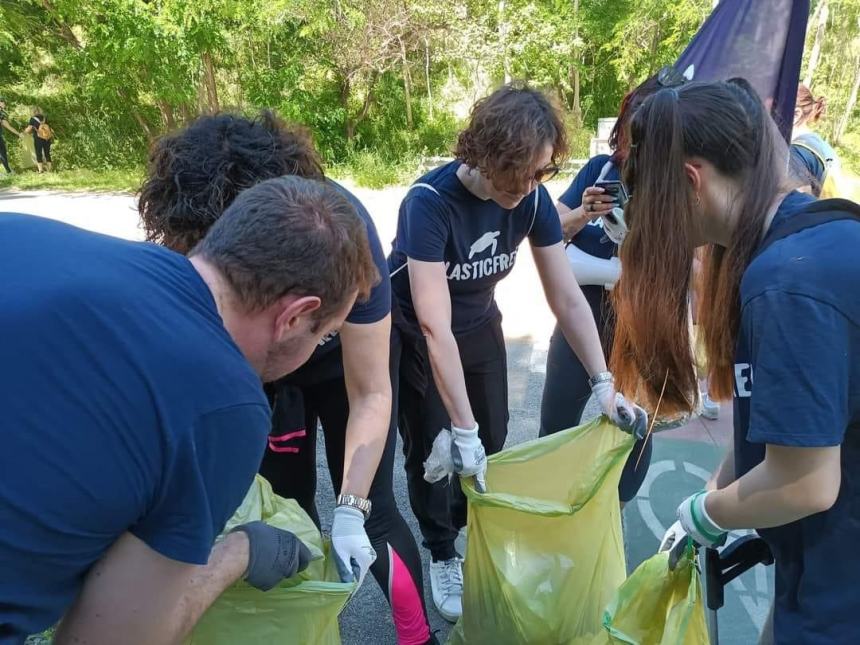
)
(4, 123)
(811, 156)
(458, 234)
(43, 136)
(780, 316)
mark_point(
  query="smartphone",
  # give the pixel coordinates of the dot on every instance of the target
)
(615, 189)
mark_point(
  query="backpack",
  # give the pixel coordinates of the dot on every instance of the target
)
(816, 214)
(830, 186)
(44, 131)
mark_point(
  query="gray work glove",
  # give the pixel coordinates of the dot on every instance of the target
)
(273, 555)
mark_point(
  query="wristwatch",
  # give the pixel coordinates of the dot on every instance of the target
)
(601, 377)
(354, 501)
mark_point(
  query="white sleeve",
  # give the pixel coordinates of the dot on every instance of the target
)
(591, 270)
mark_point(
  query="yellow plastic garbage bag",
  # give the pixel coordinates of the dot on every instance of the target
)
(301, 610)
(656, 606)
(545, 553)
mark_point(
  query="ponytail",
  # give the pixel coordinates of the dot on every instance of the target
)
(813, 109)
(657, 256)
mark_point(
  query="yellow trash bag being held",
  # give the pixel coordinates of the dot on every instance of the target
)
(299, 611)
(545, 553)
(656, 606)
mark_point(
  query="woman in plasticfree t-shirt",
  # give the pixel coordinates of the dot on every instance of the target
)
(458, 232)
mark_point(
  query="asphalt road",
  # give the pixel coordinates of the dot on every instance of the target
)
(681, 459)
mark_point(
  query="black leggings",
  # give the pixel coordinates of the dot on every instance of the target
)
(566, 392)
(441, 507)
(290, 466)
(43, 149)
(4, 156)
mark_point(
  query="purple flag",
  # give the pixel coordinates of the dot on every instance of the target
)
(760, 40)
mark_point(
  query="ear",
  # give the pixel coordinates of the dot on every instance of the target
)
(694, 175)
(290, 310)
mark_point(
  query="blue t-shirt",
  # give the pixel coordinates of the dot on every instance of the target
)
(798, 384)
(378, 305)
(591, 239)
(442, 221)
(126, 406)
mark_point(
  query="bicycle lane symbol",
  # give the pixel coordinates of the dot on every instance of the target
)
(755, 601)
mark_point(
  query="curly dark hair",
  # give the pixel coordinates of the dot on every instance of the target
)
(194, 174)
(507, 131)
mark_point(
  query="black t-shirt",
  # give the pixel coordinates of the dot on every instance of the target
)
(442, 221)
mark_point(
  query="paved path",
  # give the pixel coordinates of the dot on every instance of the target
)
(683, 458)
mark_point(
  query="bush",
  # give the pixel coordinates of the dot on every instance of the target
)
(371, 170)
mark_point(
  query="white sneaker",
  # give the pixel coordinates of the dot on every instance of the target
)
(710, 408)
(446, 583)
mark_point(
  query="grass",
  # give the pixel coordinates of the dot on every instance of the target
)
(75, 180)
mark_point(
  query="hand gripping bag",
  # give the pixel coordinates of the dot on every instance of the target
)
(545, 553)
(301, 610)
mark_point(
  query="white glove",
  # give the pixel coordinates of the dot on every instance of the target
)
(468, 455)
(675, 534)
(439, 464)
(614, 225)
(627, 416)
(352, 550)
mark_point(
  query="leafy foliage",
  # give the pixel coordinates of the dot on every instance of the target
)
(378, 82)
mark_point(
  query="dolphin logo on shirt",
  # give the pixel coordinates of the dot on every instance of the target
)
(487, 240)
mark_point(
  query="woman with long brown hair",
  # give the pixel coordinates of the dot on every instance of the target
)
(781, 321)
(458, 233)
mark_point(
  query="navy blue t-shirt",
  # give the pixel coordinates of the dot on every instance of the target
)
(442, 221)
(798, 384)
(378, 305)
(591, 239)
(125, 406)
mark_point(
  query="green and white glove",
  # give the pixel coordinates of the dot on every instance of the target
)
(694, 519)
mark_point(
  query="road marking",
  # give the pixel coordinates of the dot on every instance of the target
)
(756, 602)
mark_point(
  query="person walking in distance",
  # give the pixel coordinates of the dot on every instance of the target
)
(4, 123)
(43, 137)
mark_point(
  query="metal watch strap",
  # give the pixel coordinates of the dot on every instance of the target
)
(354, 501)
(601, 377)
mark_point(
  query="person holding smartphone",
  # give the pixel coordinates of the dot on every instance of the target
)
(594, 193)
(458, 234)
